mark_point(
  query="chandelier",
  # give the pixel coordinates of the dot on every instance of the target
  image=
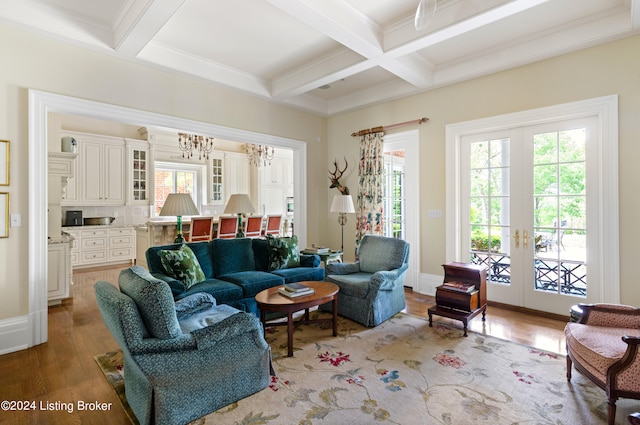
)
(259, 155)
(193, 142)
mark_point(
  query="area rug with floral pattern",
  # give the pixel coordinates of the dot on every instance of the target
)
(405, 372)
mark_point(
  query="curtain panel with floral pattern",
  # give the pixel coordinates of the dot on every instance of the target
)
(370, 187)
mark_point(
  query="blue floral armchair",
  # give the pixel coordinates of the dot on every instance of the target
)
(372, 288)
(184, 359)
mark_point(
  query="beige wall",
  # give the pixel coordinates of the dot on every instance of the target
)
(32, 62)
(613, 68)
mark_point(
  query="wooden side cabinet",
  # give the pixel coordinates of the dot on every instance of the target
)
(461, 304)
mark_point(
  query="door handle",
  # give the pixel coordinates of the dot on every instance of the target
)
(517, 238)
(525, 239)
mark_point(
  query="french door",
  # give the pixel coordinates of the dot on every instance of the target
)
(401, 192)
(529, 211)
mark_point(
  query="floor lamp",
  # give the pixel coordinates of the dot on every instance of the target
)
(239, 203)
(342, 204)
(179, 204)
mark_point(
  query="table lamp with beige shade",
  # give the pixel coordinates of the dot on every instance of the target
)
(239, 203)
(179, 204)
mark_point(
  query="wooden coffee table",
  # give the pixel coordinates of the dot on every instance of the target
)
(270, 300)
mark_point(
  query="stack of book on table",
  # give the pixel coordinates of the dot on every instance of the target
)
(317, 250)
(295, 289)
(459, 286)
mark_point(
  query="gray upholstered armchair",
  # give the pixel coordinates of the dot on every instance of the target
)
(182, 360)
(372, 288)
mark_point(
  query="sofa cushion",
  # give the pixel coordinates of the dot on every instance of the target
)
(298, 274)
(154, 301)
(253, 281)
(231, 256)
(261, 254)
(222, 291)
(183, 265)
(283, 252)
(354, 284)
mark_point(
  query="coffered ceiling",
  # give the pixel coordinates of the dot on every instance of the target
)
(328, 56)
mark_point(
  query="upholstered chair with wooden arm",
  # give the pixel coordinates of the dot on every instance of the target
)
(603, 346)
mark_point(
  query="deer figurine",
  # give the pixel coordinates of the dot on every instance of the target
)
(336, 175)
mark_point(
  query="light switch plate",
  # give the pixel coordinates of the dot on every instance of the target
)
(16, 220)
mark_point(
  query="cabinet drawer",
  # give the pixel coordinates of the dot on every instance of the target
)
(120, 241)
(457, 300)
(94, 243)
(121, 254)
(121, 232)
(90, 257)
(94, 232)
(75, 257)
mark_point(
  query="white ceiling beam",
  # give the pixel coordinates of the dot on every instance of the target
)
(412, 68)
(51, 21)
(337, 20)
(635, 14)
(140, 22)
(340, 64)
(478, 21)
(175, 60)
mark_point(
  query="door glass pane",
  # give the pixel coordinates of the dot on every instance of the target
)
(394, 194)
(559, 202)
(489, 208)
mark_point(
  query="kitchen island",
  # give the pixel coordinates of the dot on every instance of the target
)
(159, 232)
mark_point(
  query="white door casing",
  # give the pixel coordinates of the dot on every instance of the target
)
(604, 263)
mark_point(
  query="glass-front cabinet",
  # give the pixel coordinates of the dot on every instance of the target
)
(139, 168)
(216, 179)
(139, 180)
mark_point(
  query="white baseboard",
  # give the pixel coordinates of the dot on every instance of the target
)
(427, 284)
(14, 334)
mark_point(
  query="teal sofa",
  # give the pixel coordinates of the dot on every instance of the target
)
(235, 270)
(182, 359)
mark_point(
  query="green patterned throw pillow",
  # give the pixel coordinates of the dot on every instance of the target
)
(283, 252)
(182, 264)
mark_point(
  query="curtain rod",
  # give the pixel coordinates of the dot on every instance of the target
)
(387, 127)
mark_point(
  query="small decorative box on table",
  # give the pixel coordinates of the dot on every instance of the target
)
(463, 294)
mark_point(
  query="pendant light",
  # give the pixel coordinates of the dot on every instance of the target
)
(424, 13)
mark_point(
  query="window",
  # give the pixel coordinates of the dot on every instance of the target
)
(174, 178)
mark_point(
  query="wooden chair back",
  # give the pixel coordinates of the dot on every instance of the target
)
(201, 229)
(253, 226)
(227, 227)
(273, 225)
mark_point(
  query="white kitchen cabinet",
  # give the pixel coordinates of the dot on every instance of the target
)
(276, 184)
(58, 272)
(279, 172)
(94, 246)
(139, 169)
(102, 172)
(237, 174)
(121, 244)
(216, 178)
(74, 246)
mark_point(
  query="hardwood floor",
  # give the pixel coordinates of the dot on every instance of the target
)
(54, 376)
